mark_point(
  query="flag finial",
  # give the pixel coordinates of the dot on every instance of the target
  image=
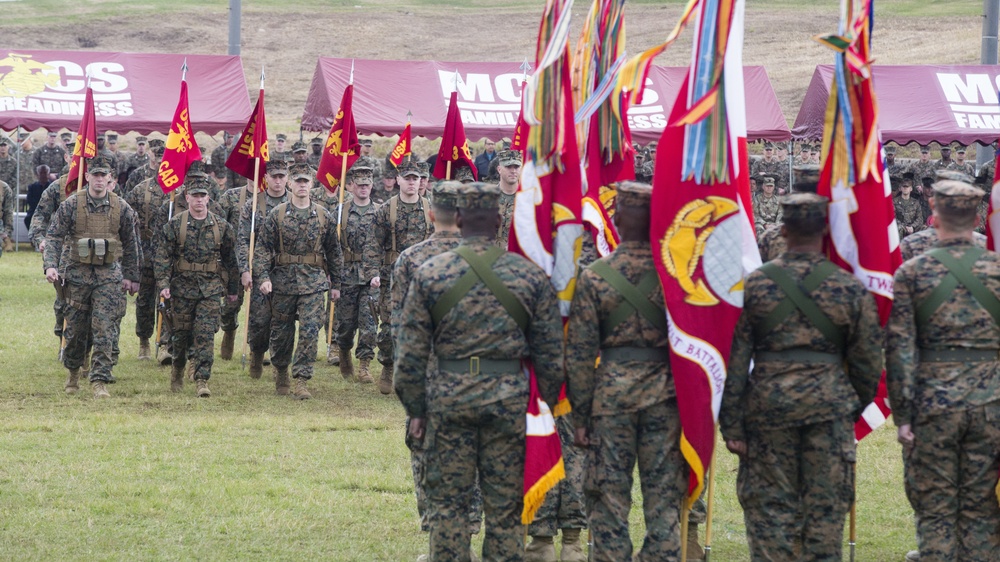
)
(525, 68)
(261, 77)
(351, 79)
(184, 69)
(454, 83)
(409, 114)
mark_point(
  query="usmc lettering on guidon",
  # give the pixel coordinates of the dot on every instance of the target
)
(972, 99)
(485, 99)
(58, 87)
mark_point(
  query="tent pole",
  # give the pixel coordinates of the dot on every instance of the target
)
(988, 55)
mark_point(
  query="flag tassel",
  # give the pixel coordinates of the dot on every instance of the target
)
(253, 232)
(535, 496)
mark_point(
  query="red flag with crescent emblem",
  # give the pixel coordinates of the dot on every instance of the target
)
(251, 147)
(86, 143)
(181, 147)
(520, 140)
(454, 144)
(341, 143)
(403, 148)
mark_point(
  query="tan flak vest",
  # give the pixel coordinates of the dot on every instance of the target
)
(315, 257)
(95, 238)
(182, 264)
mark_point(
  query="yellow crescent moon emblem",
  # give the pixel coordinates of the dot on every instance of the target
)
(684, 244)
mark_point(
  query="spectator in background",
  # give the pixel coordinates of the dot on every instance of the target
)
(35, 192)
(483, 160)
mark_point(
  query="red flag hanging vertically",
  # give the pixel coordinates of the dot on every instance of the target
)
(993, 218)
(454, 144)
(403, 148)
(853, 177)
(520, 140)
(181, 147)
(701, 231)
(341, 143)
(251, 147)
(86, 144)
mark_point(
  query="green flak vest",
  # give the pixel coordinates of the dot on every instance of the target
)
(96, 234)
(795, 298)
(636, 298)
(390, 258)
(480, 269)
(959, 273)
(182, 264)
(316, 257)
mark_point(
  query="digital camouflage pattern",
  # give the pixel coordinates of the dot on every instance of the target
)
(953, 408)
(259, 331)
(356, 310)
(909, 213)
(140, 175)
(630, 411)
(195, 295)
(8, 169)
(96, 303)
(146, 198)
(918, 243)
(298, 288)
(229, 202)
(766, 212)
(564, 506)
(476, 421)
(329, 201)
(771, 243)
(51, 156)
(811, 403)
(6, 215)
(411, 226)
(506, 218)
(407, 265)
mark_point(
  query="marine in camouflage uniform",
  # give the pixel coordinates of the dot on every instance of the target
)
(188, 265)
(50, 154)
(509, 162)
(316, 144)
(279, 152)
(388, 238)
(941, 363)
(149, 169)
(446, 237)
(469, 415)
(945, 160)
(138, 159)
(916, 244)
(51, 198)
(355, 312)
(218, 162)
(25, 154)
(625, 410)
(259, 330)
(909, 213)
(924, 167)
(6, 218)
(299, 257)
(766, 207)
(815, 368)
(388, 187)
(91, 247)
(960, 165)
(146, 198)
(8, 164)
(893, 168)
(232, 202)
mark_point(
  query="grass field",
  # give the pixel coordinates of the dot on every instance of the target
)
(246, 475)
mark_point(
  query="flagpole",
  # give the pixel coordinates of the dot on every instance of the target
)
(685, 512)
(340, 213)
(710, 508)
(853, 540)
(253, 234)
(447, 170)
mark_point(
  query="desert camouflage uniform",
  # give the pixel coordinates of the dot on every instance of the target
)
(299, 289)
(412, 226)
(766, 211)
(908, 213)
(356, 309)
(195, 295)
(229, 202)
(259, 330)
(920, 242)
(630, 409)
(476, 420)
(506, 218)
(52, 197)
(146, 198)
(95, 303)
(952, 406)
(796, 414)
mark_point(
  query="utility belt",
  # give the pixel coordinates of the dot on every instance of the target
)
(642, 354)
(313, 259)
(351, 257)
(797, 355)
(959, 355)
(184, 265)
(96, 251)
(476, 365)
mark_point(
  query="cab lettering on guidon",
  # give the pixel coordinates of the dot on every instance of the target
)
(972, 99)
(496, 100)
(58, 87)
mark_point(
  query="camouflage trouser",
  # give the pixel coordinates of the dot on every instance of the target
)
(145, 304)
(58, 307)
(93, 313)
(699, 511)
(489, 438)
(796, 485)
(259, 331)
(231, 312)
(651, 438)
(950, 477)
(195, 323)
(385, 347)
(284, 309)
(563, 507)
(356, 313)
(474, 501)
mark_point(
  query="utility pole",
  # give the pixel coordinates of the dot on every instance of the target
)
(235, 10)
(988, 55)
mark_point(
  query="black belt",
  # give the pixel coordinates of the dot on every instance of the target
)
(797, 355)
(959, 355)
(643, 354)
(476, 365)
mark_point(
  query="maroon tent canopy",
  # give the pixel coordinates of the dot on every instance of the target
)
(489, 95)
(132, 91)
(923, 104)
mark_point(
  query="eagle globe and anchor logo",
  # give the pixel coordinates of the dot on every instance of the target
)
(707, 231)
(58, 87)
(26, 77)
